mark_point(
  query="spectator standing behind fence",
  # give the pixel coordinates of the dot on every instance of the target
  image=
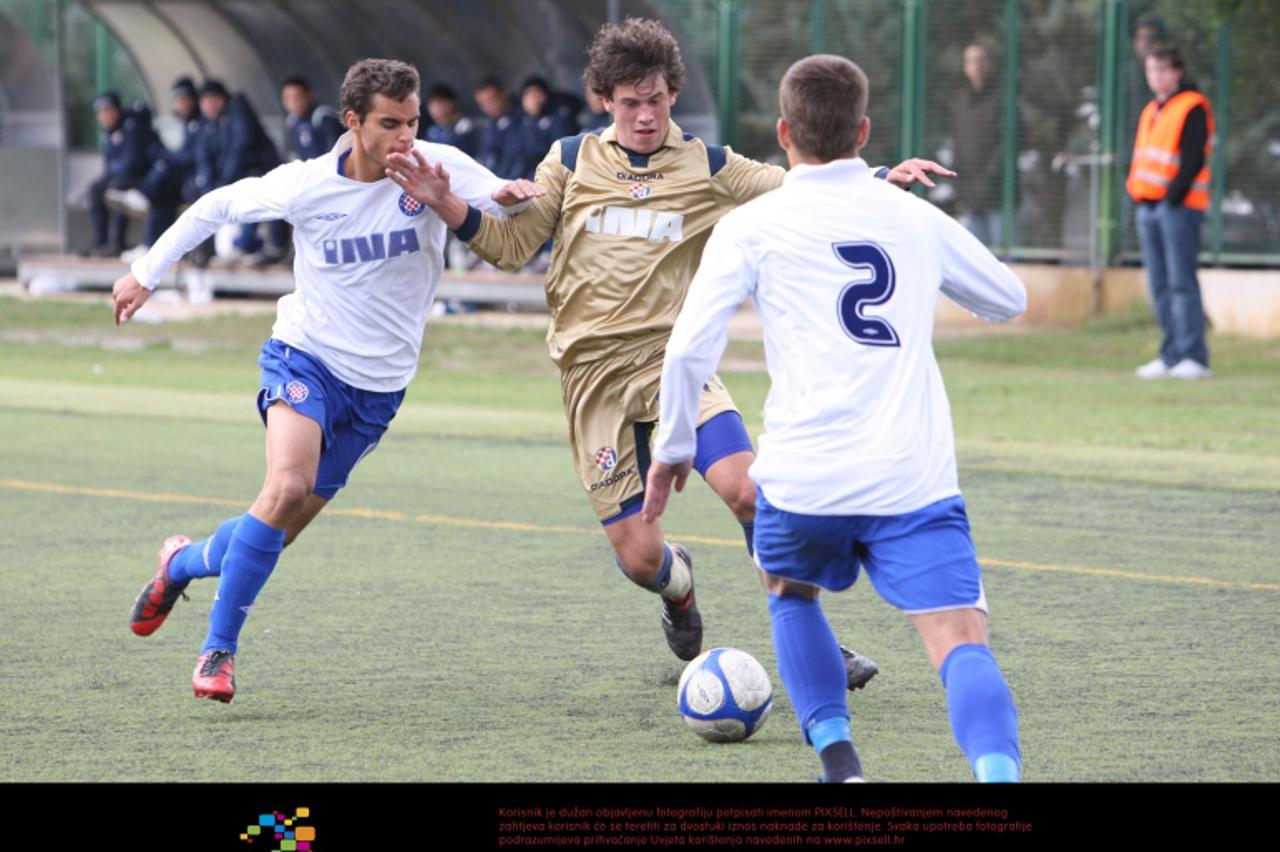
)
(976, 124)
(313, 128)
(127, 146)
(1169, 180)
(1148, 31)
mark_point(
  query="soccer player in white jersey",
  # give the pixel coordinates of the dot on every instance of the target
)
(344, 346)
(857, 464)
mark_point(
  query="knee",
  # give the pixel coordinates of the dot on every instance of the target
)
(286, 493)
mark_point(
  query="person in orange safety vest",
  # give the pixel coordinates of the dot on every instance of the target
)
(1169, 180)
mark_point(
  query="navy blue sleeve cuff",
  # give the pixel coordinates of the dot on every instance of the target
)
(882, 172)
(470, 226)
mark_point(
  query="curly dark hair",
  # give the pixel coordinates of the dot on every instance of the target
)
(632, 52)
(369, 77)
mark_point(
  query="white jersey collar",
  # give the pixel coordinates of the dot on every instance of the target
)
(849, 168)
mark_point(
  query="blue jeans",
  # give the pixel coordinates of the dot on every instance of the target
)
(1170, 236)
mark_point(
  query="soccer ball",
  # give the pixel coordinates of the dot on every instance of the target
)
(725, 695)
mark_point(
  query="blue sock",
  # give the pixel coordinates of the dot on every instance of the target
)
(250, 557)
(810, 663)
(983, 718)
(834, 744)
(749, 531)
(202, 558)
(834, 729)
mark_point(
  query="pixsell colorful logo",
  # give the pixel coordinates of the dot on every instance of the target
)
(277, 832)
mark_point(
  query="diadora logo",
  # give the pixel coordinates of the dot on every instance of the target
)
(613, 479)
(370, 248)
(330, 217)
(655, 225)
(632, 177)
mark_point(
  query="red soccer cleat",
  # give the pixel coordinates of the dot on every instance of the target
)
(215, 676)
(158, 596)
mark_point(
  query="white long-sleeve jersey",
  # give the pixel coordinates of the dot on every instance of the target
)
(367, 257)
(846, 272)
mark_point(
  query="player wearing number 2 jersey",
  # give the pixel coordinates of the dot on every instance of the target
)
(857, 464)
(630, 210)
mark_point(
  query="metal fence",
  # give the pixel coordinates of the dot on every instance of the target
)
(1045, 143)
(1043, 147)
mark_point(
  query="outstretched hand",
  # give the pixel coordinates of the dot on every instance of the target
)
(657, 487)
(908, 172)
(129, 295)
(517, 191)
(422, 181)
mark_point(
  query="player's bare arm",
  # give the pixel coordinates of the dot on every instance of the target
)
(657, 488)
(129, 295)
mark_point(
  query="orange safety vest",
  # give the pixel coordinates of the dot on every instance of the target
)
(1156, 152)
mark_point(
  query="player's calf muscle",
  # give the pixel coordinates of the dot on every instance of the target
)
(945, 631)
(638, 547)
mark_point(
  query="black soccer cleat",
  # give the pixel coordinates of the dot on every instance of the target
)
(681, 621)
(857, 668)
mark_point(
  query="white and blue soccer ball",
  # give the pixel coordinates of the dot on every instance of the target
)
(725, 695)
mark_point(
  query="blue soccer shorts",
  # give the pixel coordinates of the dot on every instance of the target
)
(922, 561)
(351, 420)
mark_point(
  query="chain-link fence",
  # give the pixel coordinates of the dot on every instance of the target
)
(1034, 102)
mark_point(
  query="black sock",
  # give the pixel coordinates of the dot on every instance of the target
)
(840, 761)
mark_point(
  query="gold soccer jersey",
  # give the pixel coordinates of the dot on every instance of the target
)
(629, 232)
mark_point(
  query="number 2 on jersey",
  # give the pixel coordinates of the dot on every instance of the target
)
(869, 259)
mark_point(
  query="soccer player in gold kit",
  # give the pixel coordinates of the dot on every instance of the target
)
(630, 208)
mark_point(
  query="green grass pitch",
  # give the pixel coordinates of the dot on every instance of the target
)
(457, 616)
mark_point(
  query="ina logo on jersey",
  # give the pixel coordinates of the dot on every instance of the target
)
(370, 247)
(656, 225)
